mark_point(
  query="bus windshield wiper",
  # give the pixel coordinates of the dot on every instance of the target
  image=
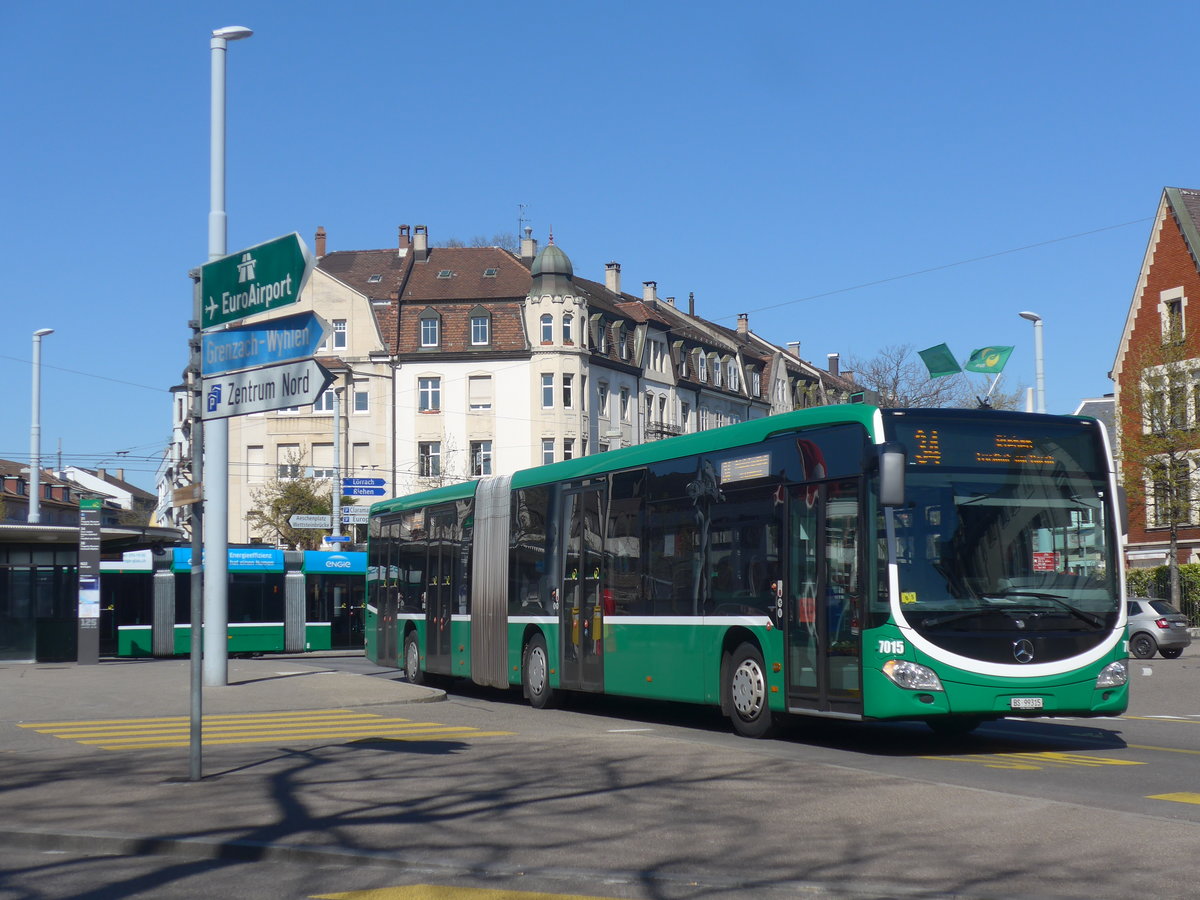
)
(947, 618)
(1053, 598)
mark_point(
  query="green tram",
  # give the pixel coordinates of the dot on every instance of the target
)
(946, 566)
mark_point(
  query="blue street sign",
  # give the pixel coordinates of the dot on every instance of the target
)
(336, 538)
(250, 346)
(363, 482)
(363, 491)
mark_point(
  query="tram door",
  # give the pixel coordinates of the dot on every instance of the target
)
(581, 614)
(824, 670)
(439, 587)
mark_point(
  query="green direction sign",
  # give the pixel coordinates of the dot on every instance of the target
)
(255, 280)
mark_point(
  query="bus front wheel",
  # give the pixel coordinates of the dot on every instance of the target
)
(749, 710)
(412, 660)
(535, 673)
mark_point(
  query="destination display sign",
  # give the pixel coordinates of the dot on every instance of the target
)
(275, 341)
(255, 280)
(974, 444)
(264, 389)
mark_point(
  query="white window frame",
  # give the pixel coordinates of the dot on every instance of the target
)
(429, 394)
(478, 324)
(547, 390)
(431, 331)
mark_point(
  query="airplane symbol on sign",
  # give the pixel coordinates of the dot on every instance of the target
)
(211, 309)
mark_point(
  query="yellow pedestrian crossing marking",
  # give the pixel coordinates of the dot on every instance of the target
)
(1181, 797)
(1034, 761)
(252, 728)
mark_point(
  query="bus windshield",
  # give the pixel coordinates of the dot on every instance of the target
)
(1001, 531)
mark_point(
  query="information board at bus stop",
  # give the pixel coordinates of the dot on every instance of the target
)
(89, 581)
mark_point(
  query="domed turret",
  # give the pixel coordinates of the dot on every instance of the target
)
(552, 273)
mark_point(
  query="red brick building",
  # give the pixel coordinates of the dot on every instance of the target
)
(1164, 311)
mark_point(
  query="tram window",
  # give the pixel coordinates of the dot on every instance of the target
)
(531, 546)
(672, 536)
(744, 552)
(410, 561)
(622, 590)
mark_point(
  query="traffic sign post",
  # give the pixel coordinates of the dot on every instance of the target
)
(265, 343)
(264, 389)
(258, 279)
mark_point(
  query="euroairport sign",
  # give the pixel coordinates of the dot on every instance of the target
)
(264, 389)
(256, 280)
(262, 344)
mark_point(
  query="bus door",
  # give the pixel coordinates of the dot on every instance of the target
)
(439, 588)
(824, 593)
(581, 614)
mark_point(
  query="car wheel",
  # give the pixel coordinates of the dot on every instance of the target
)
(749, 710)
(412, 660)
(1142, 646)
(1171, 652)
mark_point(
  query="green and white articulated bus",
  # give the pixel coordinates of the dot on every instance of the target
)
(945, 566)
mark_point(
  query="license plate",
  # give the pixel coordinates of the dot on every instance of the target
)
(1026, 703)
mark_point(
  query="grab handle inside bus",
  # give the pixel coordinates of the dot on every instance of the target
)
(891, 474)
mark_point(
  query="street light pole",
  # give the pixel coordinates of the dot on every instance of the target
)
(1040, 377)
(216, 431)
(35, 431)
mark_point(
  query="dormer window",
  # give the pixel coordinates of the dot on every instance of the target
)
(431, 328)
(481, 327)
(702, 367)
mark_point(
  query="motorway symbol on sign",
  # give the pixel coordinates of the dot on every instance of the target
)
(363, 482)
(255, 280)
(274, 341)
(302, 521)
(264, 389)
(363, 491)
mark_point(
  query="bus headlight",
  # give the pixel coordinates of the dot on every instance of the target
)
(912, 676)
(1113, 675)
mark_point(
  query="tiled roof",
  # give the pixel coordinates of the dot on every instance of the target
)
(376, 274)
(467, 277)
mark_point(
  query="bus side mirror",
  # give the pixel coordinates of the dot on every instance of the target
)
(891, 474)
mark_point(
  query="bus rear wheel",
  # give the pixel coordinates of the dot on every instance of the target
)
(746, 689)
(412, 660)
(535, 674)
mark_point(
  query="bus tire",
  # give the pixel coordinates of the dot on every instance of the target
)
(535, 674)
(412, 659)
(746, 689)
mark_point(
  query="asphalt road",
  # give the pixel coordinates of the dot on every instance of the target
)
(611, 799)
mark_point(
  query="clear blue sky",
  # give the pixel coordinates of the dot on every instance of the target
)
(852, 175)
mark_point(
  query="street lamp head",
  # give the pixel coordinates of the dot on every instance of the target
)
(42, 332)
(232, 32)
(1031, 316)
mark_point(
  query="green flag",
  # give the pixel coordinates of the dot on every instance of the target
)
(939, 361)
(989, 360)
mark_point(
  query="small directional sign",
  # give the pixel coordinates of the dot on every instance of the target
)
(274, 341)
(302, 521)
(255, 280)
(363, 491)
(353, 515)
(363, 482)
(264, 389)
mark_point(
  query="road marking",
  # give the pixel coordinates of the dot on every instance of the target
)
(442, 892)
(1035, 761)
(253, 728)
(1182, 797)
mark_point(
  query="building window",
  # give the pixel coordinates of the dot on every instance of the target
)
(649, 409)
(568, 328)
(339, 334)
(362, 397)
(287, 461)
(481, 457)
(547, 451)
(430, 329)
(685, 412)
(547, 391)
(716, 372)
(568, 384)
(702, 367)
(568, 448)
(429, 458)
(1171, 310)
(583, 394)
(479, 392)
(624, 404)
(755, 383)
(324, 403)
(547, 329)
(481, 330)
(683, 365)
(623, 344)
(429, 391)
(732, 374)
(602, 398)
(602, 338)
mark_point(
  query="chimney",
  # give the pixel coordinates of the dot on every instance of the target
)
(320, 242)
(743, 323)
(671, 301)
(612, 277)
(100, 473)
(528, 245)
(421, 243)
(405, 240)
(691, 303)
(120, 474)
(650, 291)
(834, 362)
(794, 348)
